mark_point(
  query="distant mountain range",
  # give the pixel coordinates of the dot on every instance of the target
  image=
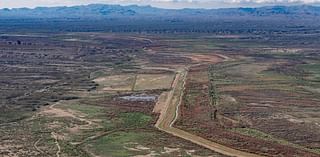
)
(107, 11)
(116, 18)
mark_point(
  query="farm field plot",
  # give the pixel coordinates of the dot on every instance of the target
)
(149, 82)
(116, 82)
(135, 82)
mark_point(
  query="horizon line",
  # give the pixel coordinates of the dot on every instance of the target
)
(173, 8)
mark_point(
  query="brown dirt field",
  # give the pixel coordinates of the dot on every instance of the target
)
(153, 81)
(205, 58)
(57, 112)
(161, 102)
(116, 82)
(266, 114)
(195, 119)
(125, 105)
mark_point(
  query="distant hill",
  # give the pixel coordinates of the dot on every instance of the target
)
(102, 11)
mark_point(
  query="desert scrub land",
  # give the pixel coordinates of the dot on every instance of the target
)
(94, 94)
(80, 98)
(267, 101)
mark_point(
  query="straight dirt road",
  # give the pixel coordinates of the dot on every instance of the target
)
(169, 114)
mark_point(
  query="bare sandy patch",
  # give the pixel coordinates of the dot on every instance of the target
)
(140, 147)
(229, 98)
(161, 102)
(151, 154)
(201, 58)
(56, 112)
(168, 150)
(53, 111)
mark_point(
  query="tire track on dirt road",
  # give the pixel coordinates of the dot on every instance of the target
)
(53, 134)
(169, 115)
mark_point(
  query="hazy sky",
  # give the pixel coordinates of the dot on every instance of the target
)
(157, 3)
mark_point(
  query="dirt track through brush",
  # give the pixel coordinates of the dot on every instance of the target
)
(169, 114)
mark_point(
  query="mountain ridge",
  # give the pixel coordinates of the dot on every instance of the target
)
(104, 10)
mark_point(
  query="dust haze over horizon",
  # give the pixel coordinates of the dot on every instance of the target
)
(173, 4)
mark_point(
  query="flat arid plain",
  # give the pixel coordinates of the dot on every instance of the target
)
(133, 94)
